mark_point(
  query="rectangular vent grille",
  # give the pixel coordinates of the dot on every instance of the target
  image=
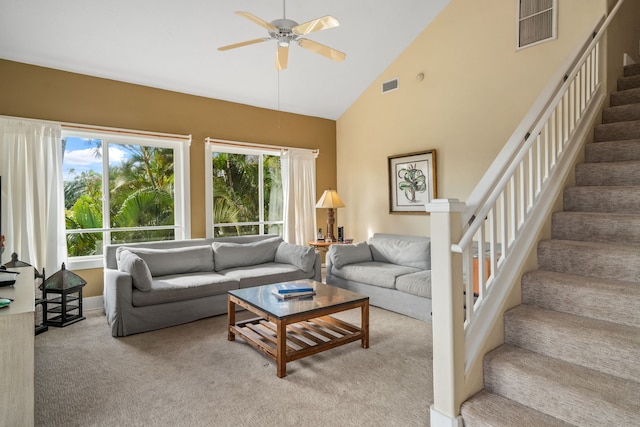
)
(390, 85)
(537, 21)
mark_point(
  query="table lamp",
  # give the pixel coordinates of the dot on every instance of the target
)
(330, 200)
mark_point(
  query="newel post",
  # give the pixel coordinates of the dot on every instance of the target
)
(447, 312)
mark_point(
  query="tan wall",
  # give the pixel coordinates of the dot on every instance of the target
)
(42, 93)
(476, 90)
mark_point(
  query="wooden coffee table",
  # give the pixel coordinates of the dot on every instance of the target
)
(287, 330)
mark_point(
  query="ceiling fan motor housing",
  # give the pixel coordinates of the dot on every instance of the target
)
(284, 35)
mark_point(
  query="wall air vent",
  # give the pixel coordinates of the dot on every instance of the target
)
(390, 85)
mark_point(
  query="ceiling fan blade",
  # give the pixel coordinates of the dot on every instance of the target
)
(248, 42)
(282, 58)
(315, 25)
(323, 50)
(257, 20)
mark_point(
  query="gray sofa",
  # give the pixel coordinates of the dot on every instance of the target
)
(154, 285)
(393, 270)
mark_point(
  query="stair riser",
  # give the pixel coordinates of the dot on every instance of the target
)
(611, 350)
(614, 151)
(605, 174)
(617, 131)
(602, 199)
(546, 392)
(623, 113)
(615, 302)
(603, 261)
(631, 70)
(599, 228)
(629, 82)
(631, 96)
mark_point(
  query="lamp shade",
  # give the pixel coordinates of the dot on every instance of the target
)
(330, 199)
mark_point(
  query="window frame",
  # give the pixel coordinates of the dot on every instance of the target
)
(182, 220)
(250, 149)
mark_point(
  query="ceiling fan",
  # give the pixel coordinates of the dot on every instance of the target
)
(286, 31)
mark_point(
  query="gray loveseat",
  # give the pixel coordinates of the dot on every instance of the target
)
(393, 270)
(154, 285)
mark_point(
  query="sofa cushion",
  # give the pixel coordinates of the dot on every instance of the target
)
(137, 268)
(163, 262)
(303, 257)
(402, 252)
(373, 273)
(415, 283)
(230, 255)
(264, 274)
(342, 255)
(181, 287)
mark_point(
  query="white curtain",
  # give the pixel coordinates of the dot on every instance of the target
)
(32, 193)
(299, 189)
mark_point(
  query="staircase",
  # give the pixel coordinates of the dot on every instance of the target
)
(572, 349)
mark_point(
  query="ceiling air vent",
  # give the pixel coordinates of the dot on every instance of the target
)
(390, 85)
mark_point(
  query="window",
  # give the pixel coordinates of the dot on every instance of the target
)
(537, 21)
(244, 191)
(121, 189)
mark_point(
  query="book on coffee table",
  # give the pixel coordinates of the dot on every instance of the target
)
(290, 295)
(292, 288)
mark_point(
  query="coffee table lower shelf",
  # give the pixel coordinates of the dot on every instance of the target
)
(302, 338)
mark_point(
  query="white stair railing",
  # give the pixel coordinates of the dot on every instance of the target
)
(479, 247)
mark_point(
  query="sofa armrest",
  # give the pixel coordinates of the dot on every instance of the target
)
(317, 268)
(117, 296)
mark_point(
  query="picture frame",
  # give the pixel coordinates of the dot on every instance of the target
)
(412, 182)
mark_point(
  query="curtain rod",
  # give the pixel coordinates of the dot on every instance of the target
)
(77, 126)
(315, 151)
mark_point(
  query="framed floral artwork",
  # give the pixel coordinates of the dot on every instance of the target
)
(412, 182)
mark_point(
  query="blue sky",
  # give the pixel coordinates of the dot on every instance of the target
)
(80, 156)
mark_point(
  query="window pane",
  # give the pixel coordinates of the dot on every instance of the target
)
(235, 188)
(84, 244)
(141, 186)
(141, 236)
(82, 171)
(273, 204)
(241, 230)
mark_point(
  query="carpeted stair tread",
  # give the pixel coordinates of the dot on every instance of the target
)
(610, 173)
(612, 348)
(572, 393)
(628, 82)
(486, 409)
(603, 260)
(631, 70)
(623, 97)
(612, 151)
(616, 199)
(617, 131)
(621, 113)
(596, 227)
(603, 299)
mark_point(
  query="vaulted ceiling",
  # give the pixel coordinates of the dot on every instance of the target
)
(172, 45)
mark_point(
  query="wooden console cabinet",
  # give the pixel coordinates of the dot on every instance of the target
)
(17, 360)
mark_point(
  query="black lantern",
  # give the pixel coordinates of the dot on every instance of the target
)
(40, 302)
(62, 292)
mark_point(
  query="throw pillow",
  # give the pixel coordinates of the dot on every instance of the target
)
(415, 254)
(162, 262)
(230, 255)
(303, 257)
(342, 255)
(137, 268)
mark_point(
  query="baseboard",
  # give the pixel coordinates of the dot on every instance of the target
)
(438, 419)
(93, 303)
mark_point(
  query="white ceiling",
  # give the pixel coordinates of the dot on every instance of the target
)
(172, 44)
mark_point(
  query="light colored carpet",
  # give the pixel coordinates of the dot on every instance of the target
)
(190, 375)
